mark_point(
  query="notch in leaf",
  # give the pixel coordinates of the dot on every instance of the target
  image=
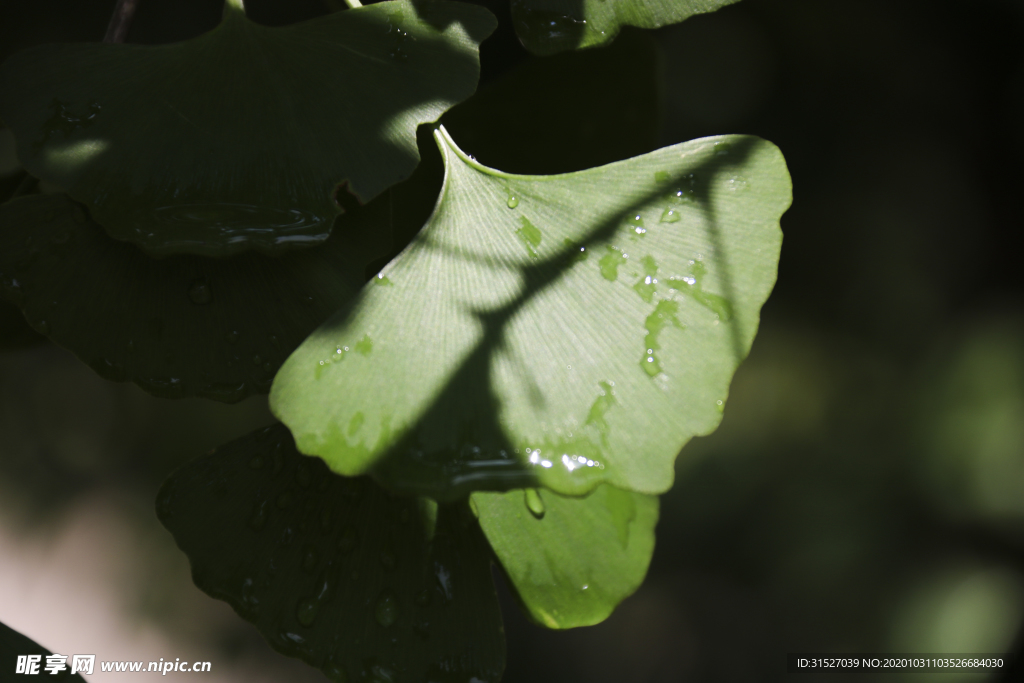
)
(563, 331)
(237, 139)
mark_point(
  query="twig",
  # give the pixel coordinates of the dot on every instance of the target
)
(120, 21)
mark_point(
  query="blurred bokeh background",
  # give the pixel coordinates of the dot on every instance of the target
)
(865, 491)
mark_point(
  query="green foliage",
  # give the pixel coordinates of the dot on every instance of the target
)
(556, 330)
(236, 140)
(550, 26)
(512, 387)
(571, 560)
(180, 326)
(335, 570)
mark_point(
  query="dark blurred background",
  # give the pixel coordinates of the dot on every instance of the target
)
(865, 491)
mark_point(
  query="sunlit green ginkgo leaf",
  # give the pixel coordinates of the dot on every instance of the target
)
(571, 560)
(184, 325)
(549, 26)
(14, 647)
(237, 139)
(559, 330)
(360, 584)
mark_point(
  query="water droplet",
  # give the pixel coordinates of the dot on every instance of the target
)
(383, 281)
(512, 202)
(534, 503)
(648, 284)
(348, 540)
(306, 612)
(662, 176)
(249, 599)
(387, 560)
(199, 292)
(720, 405)
(664, 314)
(364, 346)
(530, 235)
(610, 263)
(581, 252)
(670, 215)
(636, 223)
(386, 611)
(355, 423)
(335, 670)
(444, 580)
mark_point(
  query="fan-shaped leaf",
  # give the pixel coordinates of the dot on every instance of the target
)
(549, 26)
(559, 330)
(571, 560)
(184, 325)
(236, 139)
(362, 585)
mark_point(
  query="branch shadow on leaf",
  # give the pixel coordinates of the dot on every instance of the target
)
(468, 407)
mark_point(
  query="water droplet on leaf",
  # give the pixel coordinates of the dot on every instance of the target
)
(386, 610)
(534, 503)
(199, 293)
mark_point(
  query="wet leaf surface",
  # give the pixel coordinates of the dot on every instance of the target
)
(563, 331)
(570, 560)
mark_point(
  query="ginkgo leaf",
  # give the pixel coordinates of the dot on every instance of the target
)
(14, 645)
(563, 331)
(549, 26)
(184, 325)
(336, 571)
(237, 139)
(570, 560)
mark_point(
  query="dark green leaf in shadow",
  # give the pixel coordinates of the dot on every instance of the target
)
(566, 113)
(14, 645)
(363, 585)
(549, 26)
(560, 330)
(184, 325)
(237, 139)
(570, 560)
(15, 333)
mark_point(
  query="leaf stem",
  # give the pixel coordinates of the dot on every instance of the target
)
(120, 21)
